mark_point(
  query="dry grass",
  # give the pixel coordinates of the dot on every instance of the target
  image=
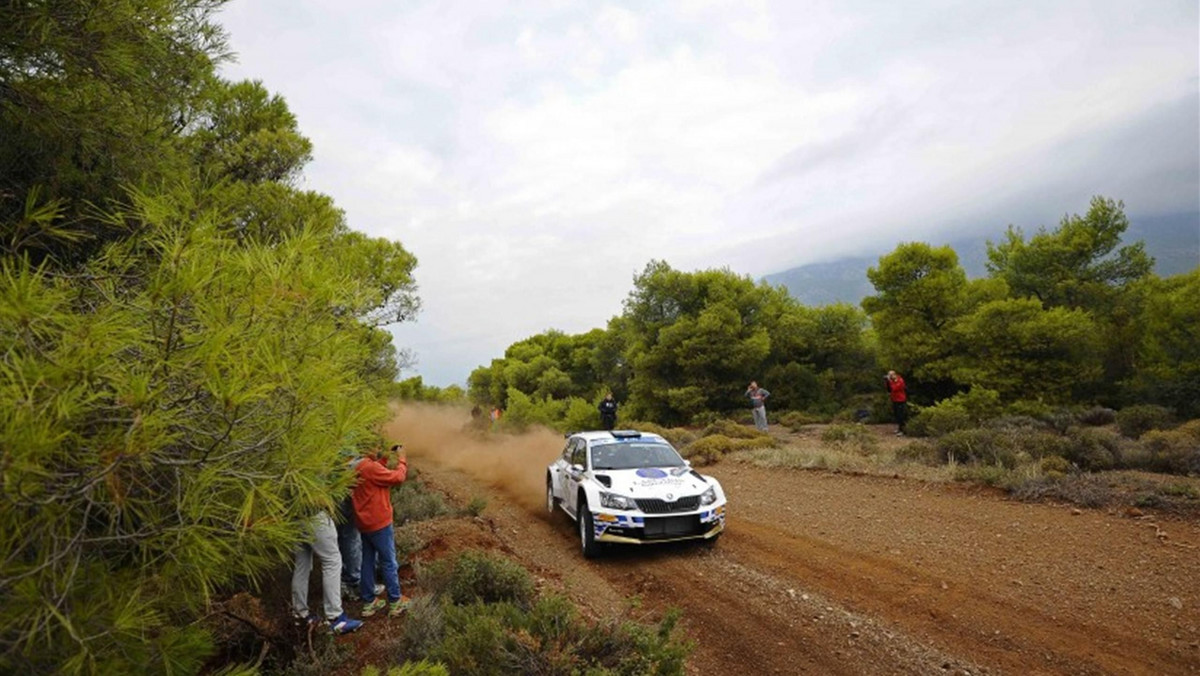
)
(807, 450)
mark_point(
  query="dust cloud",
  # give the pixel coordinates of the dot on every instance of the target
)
(512, 464)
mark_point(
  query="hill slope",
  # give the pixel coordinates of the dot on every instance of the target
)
(1173, 241)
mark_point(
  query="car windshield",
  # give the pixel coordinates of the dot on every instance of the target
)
(632, 455)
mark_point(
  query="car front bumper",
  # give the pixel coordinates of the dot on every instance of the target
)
(648, 529)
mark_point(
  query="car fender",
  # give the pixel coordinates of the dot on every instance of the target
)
(590, 491)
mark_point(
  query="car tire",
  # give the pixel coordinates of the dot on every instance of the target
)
(551, 501)
(587, 532)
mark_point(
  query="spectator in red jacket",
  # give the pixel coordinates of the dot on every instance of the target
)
(899, 396)
(373, 514)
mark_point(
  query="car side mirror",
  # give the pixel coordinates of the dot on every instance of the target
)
(688, 463)
(577, 469)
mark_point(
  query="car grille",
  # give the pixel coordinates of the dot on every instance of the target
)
(673, 526)
(656, 506)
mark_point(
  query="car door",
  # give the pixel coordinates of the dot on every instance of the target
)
(572, 476)
(561, 466)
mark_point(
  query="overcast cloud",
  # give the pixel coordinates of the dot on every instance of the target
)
(536, 155)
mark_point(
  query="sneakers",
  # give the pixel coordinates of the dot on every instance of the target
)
(374, 606)
(397, 608)
(344, 625)
(305, 620)
(350, 591)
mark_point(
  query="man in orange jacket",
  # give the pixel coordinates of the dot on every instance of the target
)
(372, 499)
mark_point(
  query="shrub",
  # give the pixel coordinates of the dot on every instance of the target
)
(939, 420)
(1015, 421)
(1176, 451)
(551, 638)
(1097, 416)
(412, 501)
(710, 449)
(580, 415)
(1093, 449)
(977, 446)
(478, 577)
(424, 626)
(1060, 420)
(1054, 466)
(407, 544)
(1134, 421)
(1029, 408)
(731, 429)
(858, 437)
(524, 411)
(794, 420)
(476, 506)
(677, 436)
(1087, 490)
(920, 451)
(421, 668)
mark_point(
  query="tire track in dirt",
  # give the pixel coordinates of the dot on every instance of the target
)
(958, 615)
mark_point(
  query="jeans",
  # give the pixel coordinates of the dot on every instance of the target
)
(760, 418)
(382, 544)
(324, 544)
(900, 410)
(350, 545)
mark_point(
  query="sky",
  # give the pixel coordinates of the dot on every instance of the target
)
(535, 156)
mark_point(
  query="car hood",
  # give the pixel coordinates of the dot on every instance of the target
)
(654, 482)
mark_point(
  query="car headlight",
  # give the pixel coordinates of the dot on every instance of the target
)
(614, 501)
(709, 496)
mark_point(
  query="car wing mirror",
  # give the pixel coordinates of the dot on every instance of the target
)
(576, 469)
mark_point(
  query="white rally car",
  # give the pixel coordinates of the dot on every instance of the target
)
(634, 488)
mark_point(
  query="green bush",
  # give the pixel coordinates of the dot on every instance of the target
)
(1093, 449)
(677, 436)
(939, 420)
(1029, 408)
(1097, 416)
(580, 416)
(1175, 451)
(551, 638)
(421, 668)
(476, 506)
(1054, 466)
(710, 449)
(1015, 421)
(794, 420)
(412, 501)
(920, 451)
(731, 429)
(478, 577)
(1086, 490)
(1134, 421)
(977, 446)
(856, 437)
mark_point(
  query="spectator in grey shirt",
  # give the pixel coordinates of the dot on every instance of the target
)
(758, 397)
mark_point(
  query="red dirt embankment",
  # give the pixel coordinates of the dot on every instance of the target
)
(828, 573)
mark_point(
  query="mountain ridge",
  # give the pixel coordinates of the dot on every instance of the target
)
(1173, 240)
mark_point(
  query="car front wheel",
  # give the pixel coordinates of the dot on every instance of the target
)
(587, 533)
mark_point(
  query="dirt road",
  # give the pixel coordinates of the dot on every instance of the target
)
(832, 574)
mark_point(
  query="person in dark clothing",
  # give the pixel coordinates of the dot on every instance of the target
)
(608, 412)
(899, 396)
